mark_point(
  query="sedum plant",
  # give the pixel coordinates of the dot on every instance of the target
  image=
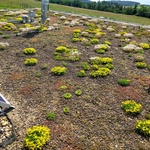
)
(106, 60)
(78, 92)
(61, 49)
(50, 116)
(30, 61)
(58, 70)
(94, 41)
(123, 82)
(131, 107)
(85, 66)
(67, 95)
(29, 51)
(66, 110)
(75, 39)
(144, 46)
(107, 42)
(100, 72)
(76, 33)
(81, 73)
(143, 127)
(36, 137)
(141, 65)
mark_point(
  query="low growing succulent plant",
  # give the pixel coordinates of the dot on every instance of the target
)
(58, 70)
(141, 65)
(50, 116)
(66, 110)
(143, 127)
(131, 107)
(123, 82)
(78, 92)
(29, 51)
(30, 61)
(36, 137)
(67, 95)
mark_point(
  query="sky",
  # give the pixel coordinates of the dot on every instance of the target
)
(140, 1)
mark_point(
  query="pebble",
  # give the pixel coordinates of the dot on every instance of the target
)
(5, 129)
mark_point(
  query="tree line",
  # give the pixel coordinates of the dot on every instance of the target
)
(138, 10)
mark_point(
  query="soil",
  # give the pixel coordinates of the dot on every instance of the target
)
(96, 120)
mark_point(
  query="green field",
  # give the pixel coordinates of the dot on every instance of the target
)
(33, 3)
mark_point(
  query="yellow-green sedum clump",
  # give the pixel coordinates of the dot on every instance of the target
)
(58, 70)
(29, 51)
(141, 65)
(106, 60)
(30, 61)
(100, 60)
(76, 33)
(143, 127)
(131, 107)
(101, 72)
(144, 45)
(36, 137)
(61, 49)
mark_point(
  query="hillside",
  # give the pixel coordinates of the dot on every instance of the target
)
(124, 3)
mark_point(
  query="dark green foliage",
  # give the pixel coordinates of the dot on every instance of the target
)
(123, 82)
(50, 116)
(81, 73)
(6, 36)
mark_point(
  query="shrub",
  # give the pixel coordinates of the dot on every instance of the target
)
(36, 137)
(61, 49)
(63, 87)
(123, 82)
(30, 61)
(94, 41)
(106, 60)
(78, 92)
(6, 36)
(143, 127)
(100, 72)
(66, 110)
(58, 70)
(109, 66)
(100, 60)
(50, 116)
(67, 95)
(148, 67)
(75, 39)
(29, 51)
(107, 42)
(81, 73)
(141, 65)
(131, 107)
(100, 51)
(76, 33)
(63, 53)
(85, 66)
(144, 45)
(95, 67)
